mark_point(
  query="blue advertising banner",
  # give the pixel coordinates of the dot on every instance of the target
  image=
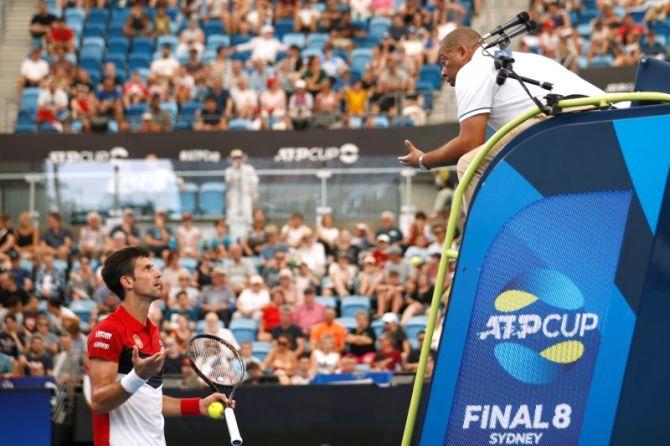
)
(536, 324)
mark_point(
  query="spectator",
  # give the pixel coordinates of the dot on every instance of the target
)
(257, 238)
(36, 361)
(173, 270)
(628, 50)
(395, 333)
(184, 285)
(166, 67)
(92, 237)
(360, 340)
(252, 300)
(307, 16)
(342, 274)
(238, 268)
(213, 326)
(27, 236)
(273, 245)
(391, 293)
(295, 229)
(300, 105)
(312, 253)
(600, 40)
(329, 327)
(159, 236)
(211, 117)
(40, 24)
(138, 23)
(418, 252)
(388, 358)
(273, 270)
(188, 236)
(34, 70)
(270, 316)
(303, 374)
(324, 357)
(56, 240)
(281, 360)
(50, 281)
(287, 285)
(412, 363)
(389, 228)
(162, 24)
(221, 240)
(157, 119)
(128, 229)
(181, 330)
(241, 194)
(653, 48)
(69, 362)
(370, 278)
(192, 32)
(273, 100)
(419, 299)
(61, 36)
(110, 100)
(309, 313)
(21, 276)
(361, 9)
(173, 357)
(286, 327)
(82, 280)
(52, 105)
(265, 47)
(12, 340)
(361, 240)
(218, 297)
(7, 237)
(355, 99)
(7, 365)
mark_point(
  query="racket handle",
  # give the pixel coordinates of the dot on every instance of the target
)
(233, 430)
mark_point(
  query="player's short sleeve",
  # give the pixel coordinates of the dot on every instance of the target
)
(475, 87)
(105, 342)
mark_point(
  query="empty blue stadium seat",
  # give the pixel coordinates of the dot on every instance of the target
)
(309, 52)
(352, 305)
(92, 52)
(118, 45)
(348, 322)
(431, 73)
(119, 15)
(261, 349)
(283, 26)
(378, 26)
(25, 128)
(173, 41)
(74, 15)
(327, 301)
(29, 99)
(415, 325)
(212, 26)
(213, 198)
(189, 263)
(239, 124)
(216, 40)
(96, 15)
(297, 39)
(136, 61)
(244, 329)
(380, 122)
(143, 45)
(317, 40)
(118, 59)
(94, 30)
(188, 196)
(378, 326)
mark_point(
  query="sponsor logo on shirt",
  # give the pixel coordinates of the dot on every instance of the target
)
(103, 334)
(102, 345)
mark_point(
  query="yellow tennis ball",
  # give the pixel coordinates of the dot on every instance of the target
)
(215, 410)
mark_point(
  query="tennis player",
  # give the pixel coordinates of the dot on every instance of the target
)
(481, 102)
(126, 360)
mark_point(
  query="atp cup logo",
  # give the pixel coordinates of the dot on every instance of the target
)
(540, 327)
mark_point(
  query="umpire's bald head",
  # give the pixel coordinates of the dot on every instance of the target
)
(456, 49)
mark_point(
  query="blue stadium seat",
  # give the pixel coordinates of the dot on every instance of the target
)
(239, 124)
(327, 301)
(29, 99)
(201, 325)
(92, 52)
(378, 26)
(212, 26)
(244, 329)
(216, 40)
(94, 30)
(171, 108)
(431, 73)
(118, 45)
(118, 59)
(378, 326)
(96, 15)
(136, 61)
(173, 13)
(25, 128)
(602, 61)
(90, 65)
(173, 41)
(261, 349)
(143, 45)
(283, 26)
(93, 41)
(115, 30)
(213, 198)
(380, 122)
(188, 263)
(297, 39)
(74, 15)
(348, 322)
(134, 115)
(309, 52)
(352, 305)
(119, 15)
(415, 325)
(158, 263)
(237, 39)
(188, 197)
(210, 55)
(317, 40)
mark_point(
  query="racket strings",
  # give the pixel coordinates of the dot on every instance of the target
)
(221, 364)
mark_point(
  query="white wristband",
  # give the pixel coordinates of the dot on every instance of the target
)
(422, 167)
(131, 383)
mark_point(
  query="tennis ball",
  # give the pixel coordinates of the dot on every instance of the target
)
(416, 261)
(215, 410)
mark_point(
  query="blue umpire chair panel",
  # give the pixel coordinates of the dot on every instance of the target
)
(213, 198)
(244, 329)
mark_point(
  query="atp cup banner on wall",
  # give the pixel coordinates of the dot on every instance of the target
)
(536, 323)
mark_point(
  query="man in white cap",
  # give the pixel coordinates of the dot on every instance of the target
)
(241, 194)
(300, 105)
(264, 47)
(252, 300)
(398, 337)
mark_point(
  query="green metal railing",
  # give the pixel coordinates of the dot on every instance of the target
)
(450, 254)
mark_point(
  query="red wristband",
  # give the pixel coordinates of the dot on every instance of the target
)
(190, 406)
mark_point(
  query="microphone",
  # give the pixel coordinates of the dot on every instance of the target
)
(505, 39)
(520, 19)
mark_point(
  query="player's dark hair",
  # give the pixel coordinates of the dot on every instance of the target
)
(121, 263)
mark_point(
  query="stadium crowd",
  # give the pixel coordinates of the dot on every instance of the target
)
(300, 302)
(158, 65)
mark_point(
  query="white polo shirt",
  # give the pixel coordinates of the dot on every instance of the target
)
(478, 93)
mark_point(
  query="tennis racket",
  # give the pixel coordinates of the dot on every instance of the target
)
(220, 365)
